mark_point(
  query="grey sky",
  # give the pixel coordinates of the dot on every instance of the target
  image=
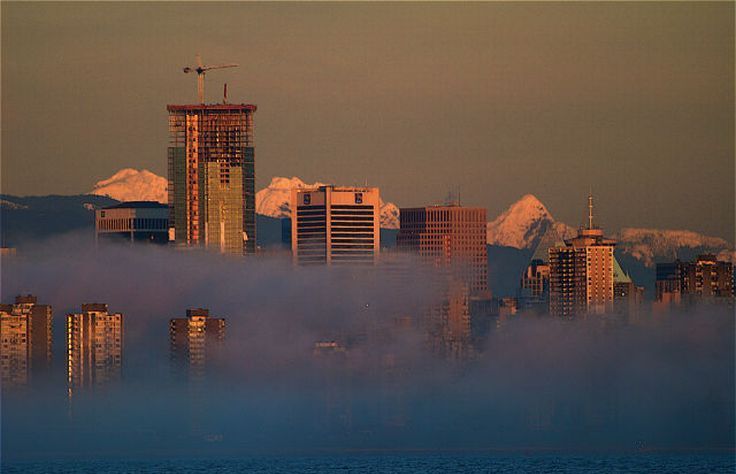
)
(635, 100)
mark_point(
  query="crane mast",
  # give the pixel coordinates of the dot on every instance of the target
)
(201, 70)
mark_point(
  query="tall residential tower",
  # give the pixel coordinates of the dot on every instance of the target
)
(211, 158)
(581, 273)
(94, 340)
(25, 340)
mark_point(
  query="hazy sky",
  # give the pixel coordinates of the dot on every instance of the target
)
(635, 100)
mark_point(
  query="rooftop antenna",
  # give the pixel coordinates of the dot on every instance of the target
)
(590, 209)
(201, 70)
(224, 94)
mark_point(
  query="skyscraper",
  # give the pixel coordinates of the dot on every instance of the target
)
(451, 237)
(581, 273)
(211, 158)
(192, 338)
(25, 340)
(94, 346)
(335, 224)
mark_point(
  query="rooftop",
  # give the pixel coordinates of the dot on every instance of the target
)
(138, 205)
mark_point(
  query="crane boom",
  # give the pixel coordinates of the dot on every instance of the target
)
(201, 70)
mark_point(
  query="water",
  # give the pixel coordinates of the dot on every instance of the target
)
(400, 463)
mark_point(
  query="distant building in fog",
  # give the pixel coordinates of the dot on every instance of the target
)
(335, 225)
(94, 346)
(25, 340)
(534, 288)
(452, 237)
(706, 279)
(627, 297)
(193, 338)
(134, 222)
(581, 273)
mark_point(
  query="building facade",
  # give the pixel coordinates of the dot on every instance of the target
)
(452, 237)
(581, 273)
(192, 339)
(211, 159)
(133, 222)
(94, 346)
(706, 279)
(335, 225)
(25, 340)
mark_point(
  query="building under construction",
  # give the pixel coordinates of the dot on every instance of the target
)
(211, 158)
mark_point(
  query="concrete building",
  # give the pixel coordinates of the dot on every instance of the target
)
(94, 340)
(133, 222)
(25, 340)
(335, 224)
(706, 279)
(192, 339)
(581, 273)
(627, 296)
(452, 237)
(211, 188)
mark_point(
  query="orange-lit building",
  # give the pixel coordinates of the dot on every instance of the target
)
(94, 340)
(452, 237)
(581, 273)
(335, 224)
(706, 279)
(211, 158)
(25, 340)
(193, 338)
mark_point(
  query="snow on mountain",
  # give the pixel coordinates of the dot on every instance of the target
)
(133, 185)
(649, 245)
(523, 224)
(273, 201)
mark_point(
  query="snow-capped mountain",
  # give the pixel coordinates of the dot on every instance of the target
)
(133, 185)
(523, 224)
(650, 244)
(273, 201)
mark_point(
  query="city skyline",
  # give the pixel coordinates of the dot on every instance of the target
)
(386, 112)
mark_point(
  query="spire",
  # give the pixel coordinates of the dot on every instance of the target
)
(590, 209)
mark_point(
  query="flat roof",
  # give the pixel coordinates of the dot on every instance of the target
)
(204, 107)
(138, 205)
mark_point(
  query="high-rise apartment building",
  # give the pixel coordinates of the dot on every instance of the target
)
(25, 340)
(211, 159)
(193, 338)
(581, 273)
(335, 224)
(705, 279)
(451, 237)
(133, 222)
(94, 339)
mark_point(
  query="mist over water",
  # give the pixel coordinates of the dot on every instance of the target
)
(540, 384)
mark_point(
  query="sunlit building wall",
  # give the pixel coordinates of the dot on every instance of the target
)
(335, 225)
(94, 346)
(25, 340)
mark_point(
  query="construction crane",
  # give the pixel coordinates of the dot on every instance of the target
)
(201, 70)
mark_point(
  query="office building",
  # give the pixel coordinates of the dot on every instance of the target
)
(133, 222)
(627, 296)
(581, 273)
(451, 237)
(25, 340)
(193, 339)
(94, 346)
(211, 158)
(335, 225)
